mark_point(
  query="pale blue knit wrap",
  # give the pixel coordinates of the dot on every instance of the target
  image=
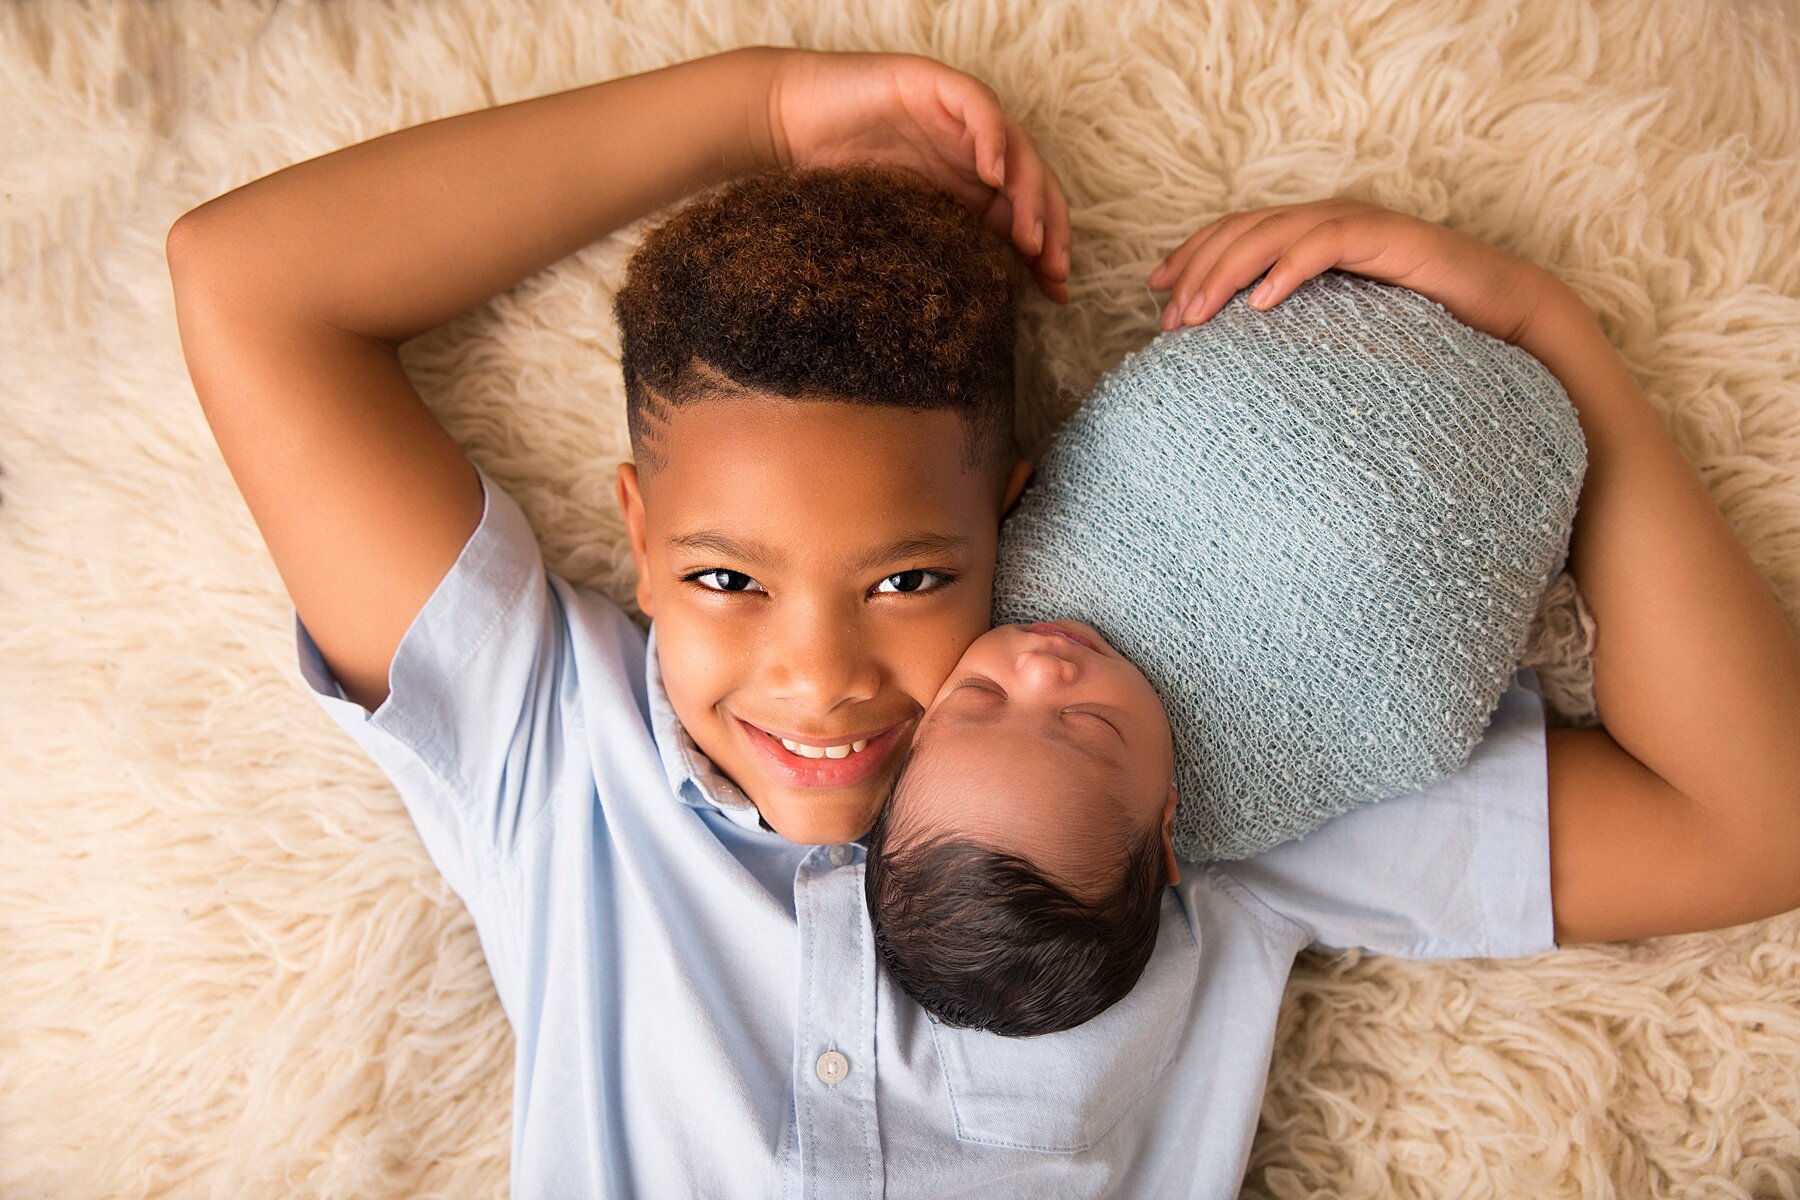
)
(1322, 533)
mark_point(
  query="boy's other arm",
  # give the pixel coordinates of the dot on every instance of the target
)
(1683, 813)
(293, 292)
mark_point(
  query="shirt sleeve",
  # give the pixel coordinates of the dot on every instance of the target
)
(1457, 869)
(481, 700)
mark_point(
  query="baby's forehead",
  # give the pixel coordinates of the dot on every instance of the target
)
(997, 774)
(1046, 805)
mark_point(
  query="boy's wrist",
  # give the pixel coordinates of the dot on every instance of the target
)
(768, 137)
(740, 85)
(759, 70)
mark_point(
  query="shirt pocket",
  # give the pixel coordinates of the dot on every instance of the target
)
(1062, 1092)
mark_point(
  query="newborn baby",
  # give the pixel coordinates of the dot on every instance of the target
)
(1321, 532)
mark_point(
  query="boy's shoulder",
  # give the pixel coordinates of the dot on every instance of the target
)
(509, 685)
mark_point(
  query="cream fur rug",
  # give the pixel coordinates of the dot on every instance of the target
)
(227, 968)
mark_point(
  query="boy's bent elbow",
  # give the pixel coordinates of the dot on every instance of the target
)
(182, 246)
(192, 247)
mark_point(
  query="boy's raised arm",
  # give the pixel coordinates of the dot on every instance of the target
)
(1683, 813)
(293, 292)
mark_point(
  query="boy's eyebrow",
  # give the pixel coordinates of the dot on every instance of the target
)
(720, 543)
(921, 545)
(751, 551)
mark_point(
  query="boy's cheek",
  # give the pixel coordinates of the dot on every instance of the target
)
(696, 663)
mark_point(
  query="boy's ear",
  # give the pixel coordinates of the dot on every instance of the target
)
(631, 503)
(1171, 870)
(1015, 483)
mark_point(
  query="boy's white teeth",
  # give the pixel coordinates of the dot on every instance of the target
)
(806, 751)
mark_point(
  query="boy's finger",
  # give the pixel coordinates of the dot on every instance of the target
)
(1027, 191)
(1194, 258)
(1062, 235)
(1192, 292)
(1237, 261)
(1239, 264)
(1172, 267)
(1318, 249)
(977, 107)
(999, 216)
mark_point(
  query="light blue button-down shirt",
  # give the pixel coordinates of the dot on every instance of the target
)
(676, 976)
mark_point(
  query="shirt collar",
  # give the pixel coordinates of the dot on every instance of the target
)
(691, 775)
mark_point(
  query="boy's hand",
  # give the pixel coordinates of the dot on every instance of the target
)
(913, 112)
(1483, 287)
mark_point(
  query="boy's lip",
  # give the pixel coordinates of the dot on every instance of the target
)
(796, 770)
(1045, 627)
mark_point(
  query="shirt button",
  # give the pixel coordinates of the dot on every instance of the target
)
(832, 1067)
(840, 855)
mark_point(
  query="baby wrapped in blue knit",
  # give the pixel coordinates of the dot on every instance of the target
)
(1320, 532)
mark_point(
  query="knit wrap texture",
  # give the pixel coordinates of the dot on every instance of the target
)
(1321, 531)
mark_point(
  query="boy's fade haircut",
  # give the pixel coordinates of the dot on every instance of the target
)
(982, 939)
(861, 283)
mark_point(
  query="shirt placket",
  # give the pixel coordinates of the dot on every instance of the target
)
(834, 1042)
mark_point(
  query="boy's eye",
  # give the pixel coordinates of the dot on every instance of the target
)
(914, 581)
(721, 580)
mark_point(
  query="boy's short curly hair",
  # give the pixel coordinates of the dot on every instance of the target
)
(982, 939)
(861, 283)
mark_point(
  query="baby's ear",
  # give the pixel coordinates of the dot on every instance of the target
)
(1170, 867)
(1015, 484)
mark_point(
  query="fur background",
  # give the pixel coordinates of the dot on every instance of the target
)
(227, 968)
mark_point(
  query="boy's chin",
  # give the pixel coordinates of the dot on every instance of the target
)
(824, 819)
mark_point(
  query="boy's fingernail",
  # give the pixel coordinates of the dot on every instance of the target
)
(1168, 316)
(1260, 297)
(1193, 308)
(1037, 237)
(1062, 261)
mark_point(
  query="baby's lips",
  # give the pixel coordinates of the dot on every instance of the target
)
(1080, 639)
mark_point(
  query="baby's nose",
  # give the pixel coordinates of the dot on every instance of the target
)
(1040, 669)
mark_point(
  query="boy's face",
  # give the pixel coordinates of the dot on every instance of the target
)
(814, 568)
(1045, 742)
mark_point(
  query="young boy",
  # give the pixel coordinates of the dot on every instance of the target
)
(695, 999)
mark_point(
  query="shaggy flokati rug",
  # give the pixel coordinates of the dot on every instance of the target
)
(227, 968)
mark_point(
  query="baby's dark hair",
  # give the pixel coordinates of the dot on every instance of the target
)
(861, 283)
(984, 940)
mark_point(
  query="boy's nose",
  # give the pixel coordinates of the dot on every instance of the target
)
(819, 665)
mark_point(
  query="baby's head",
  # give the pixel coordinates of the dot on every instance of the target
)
(1015, 876)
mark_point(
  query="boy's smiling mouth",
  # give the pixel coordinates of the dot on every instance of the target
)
(833, 762)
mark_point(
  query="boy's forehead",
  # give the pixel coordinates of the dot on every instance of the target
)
(822, 467)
